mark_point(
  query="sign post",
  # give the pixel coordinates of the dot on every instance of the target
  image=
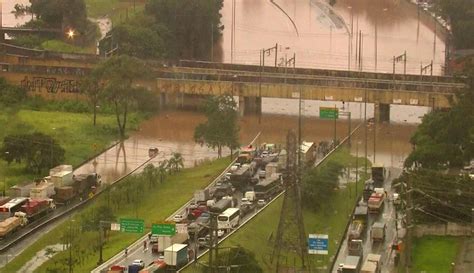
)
(132, 225)
(163, 229)
(318, 244)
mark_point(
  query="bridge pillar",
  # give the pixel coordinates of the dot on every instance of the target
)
(382, 112)
(249, 105)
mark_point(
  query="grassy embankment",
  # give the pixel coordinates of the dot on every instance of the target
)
(255, 235)
(435, 253)
(156, 205)
(74, 131)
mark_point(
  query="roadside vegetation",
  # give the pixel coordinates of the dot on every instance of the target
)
(435, 253)
(459, 14)
(221, 128)
(137, 196)
(38, 134)
(329, 217)
(440, 168)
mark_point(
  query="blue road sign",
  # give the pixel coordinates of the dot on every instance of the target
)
(318, 244)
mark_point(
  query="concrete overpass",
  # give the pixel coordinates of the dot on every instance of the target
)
(181, 85)
(187, 82)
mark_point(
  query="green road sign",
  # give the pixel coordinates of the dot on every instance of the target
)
(328, 113)
(132, 225)
(163, 229)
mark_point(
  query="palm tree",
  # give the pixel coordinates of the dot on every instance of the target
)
(151, 174)
(162, 169)
(178, 161)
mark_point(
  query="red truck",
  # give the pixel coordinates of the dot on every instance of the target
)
(37, 207)
(375, 202)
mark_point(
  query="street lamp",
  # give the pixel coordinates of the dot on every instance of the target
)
(71, 33)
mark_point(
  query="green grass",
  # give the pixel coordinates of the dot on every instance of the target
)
(114, 9)
(255, 235)
(434, 254)
(74, 131)
(157, 204)
(60, 46)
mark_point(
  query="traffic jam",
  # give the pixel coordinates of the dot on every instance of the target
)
(248, 185)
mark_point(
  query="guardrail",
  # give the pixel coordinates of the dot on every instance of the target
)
(139, 241)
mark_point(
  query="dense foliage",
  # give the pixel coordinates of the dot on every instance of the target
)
(445, 138)
(11, 94)
(241, 259)
(115, 81)
(193, 25)
(37, 150)
(439, 197)
(221, 128)
(57, 14)
(319, 185)
(460, 14)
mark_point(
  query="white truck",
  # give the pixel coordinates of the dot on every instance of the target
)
(350, 265)
(372, 264)
(176, 255)
(250, 195)
(377, 232)
(62, 178)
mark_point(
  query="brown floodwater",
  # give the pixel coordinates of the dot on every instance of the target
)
(320, 37)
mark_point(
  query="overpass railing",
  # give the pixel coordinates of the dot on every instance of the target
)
(316, 72)
(325, 81)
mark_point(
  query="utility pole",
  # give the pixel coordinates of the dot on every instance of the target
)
(375, 129)
(365, 132)
(357, 165)
(409, 227)
(335, 127)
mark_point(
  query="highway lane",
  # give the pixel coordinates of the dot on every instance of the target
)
(387, 216)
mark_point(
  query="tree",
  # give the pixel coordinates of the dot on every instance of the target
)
(176, 162)
(445, 138)
(194, 25)
(242, 258)
(37, 150)
(162, 170)
(459, 14)
(119, 75)
(151, 174)
(91, 87)
(60, 13)
(320, 184)
(11, 94)
(221, 128)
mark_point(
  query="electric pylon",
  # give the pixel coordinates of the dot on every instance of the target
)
(291, 236)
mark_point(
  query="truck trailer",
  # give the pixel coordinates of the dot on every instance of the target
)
(176, 255)
(372, 264)
(11, 224)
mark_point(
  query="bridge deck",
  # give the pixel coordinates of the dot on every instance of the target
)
(206, 74)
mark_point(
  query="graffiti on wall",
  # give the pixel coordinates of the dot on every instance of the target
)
(50, 85)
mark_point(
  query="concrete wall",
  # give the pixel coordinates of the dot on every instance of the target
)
(447, 229)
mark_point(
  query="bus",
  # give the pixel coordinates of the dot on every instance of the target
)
(268, 188)
(8, 209)
(228, 219)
